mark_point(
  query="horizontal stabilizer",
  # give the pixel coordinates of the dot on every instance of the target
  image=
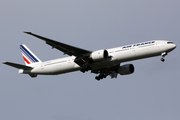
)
(19, 66)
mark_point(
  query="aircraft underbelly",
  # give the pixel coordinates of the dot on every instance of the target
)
(56, 69)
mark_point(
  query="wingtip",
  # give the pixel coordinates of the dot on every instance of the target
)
(4, 62)
(27, 32)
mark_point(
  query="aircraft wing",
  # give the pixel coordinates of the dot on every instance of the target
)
(65, 48)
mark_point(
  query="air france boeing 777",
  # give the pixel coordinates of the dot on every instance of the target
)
(102, 62)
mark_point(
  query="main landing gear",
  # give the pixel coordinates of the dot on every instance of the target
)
(101, 76)
(85, 69)
(163, 55)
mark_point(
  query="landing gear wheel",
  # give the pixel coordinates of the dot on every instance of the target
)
(104, 76)
(162, 59)
(97, 78)
(163, 55)
(82, 70)
(101, 76)
(85, 69)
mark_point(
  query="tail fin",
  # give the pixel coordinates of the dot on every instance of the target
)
(28, 56)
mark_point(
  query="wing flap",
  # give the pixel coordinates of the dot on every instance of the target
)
(19, 66)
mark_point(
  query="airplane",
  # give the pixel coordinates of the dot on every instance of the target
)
(104, 62)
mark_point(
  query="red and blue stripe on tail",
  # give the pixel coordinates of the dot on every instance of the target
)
(28, 56)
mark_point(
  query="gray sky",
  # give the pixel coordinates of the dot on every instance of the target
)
(151, 93)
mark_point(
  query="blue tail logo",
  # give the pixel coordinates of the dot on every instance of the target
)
(28, 56)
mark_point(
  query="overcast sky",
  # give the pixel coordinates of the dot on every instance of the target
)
(152, 92)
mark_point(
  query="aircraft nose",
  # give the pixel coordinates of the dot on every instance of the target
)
(172, 47)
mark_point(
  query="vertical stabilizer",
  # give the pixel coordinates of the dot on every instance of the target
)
(28, 56)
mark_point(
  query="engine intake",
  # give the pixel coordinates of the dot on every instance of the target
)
(99, 55)
(126, 69)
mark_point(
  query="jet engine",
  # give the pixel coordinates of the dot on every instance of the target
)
(126, 69)
(99, 55)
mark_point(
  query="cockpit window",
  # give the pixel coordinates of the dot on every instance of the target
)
(169, 42)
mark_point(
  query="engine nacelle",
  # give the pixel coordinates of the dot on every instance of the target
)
(126, 69)
(99, 55)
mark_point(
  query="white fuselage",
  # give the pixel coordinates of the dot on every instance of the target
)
(116, 56)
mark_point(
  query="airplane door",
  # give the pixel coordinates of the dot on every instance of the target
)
(42, 66)
(133, 51)
(69, 61)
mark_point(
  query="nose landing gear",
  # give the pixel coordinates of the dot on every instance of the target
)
(163, 55)
(162, 59)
